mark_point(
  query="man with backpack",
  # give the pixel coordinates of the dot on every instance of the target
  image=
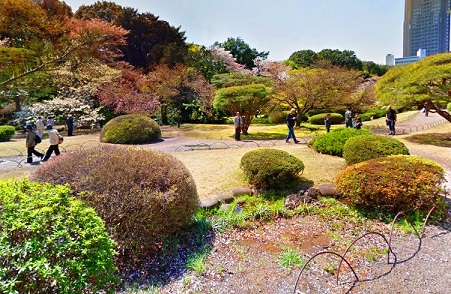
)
(32, 140)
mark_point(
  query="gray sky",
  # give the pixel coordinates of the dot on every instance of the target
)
(370, 28)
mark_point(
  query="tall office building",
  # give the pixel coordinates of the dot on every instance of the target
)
(426, 26)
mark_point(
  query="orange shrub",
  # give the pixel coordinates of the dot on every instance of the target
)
(394, 183)
(142, 195)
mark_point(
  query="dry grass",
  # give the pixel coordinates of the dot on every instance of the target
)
(215, 171)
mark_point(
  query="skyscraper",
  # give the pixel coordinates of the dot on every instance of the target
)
(426, 26)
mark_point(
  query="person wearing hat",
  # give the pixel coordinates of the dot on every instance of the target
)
(31, 144)
(54, 141)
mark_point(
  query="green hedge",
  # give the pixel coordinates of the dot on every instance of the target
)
(130, 129)
(6, 133)
(332, 143)
(271, 168)
(361, 148)
(318, 119)
(52, 243)
(448, 106)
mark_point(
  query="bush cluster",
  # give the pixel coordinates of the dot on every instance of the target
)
(271, 168)
(142, 195)
(277, 117)
(6, 133)
(51, 242)
(394, 183)
(332, 143)
(130, 129)
(377, 113)
(361, 148)
(318, 119)
(448, 106)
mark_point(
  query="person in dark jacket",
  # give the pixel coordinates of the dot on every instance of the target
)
(291, 120)
(391, 120)
(70, 125)
(327, 122)
(31, 144)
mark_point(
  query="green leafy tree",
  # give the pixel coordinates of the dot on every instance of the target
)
(242, 52)
(371, 68)
(247, 99)
(238, 79)
(303, 58)
(150, 41)
(424, 84)
(346, 58)
(203, 60)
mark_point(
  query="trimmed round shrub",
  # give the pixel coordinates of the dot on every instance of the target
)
(6, 133)
(318, 119)
(130, 129)
(333, 142)
(361, 148)
(51, 242)
(271, 168)
(144, 196)
(394, 183)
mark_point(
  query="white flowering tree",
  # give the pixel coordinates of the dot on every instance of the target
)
(77, 96)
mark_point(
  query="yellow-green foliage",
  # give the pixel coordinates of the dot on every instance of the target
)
(6, 133)
(143, 195)
(318, 119)
(271, 168)
(332, 143)
(130, 129)
(394, 183)
(51, 242)
(361, 148)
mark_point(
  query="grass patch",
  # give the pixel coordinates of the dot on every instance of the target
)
(289, 257)
(436, 139)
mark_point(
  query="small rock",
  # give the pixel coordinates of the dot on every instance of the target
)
(328, 190)
(225, 198)
(241, 191)
(208, 203)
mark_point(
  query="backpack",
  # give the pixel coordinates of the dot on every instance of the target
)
(37, 139)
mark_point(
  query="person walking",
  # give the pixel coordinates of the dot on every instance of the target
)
(31, 144)
(70, 124)
(40, 127)
(50, 121)
(238, 124)
(348, 118)
(391, 120)
(327, 122)
(291, 120)
(54, 138)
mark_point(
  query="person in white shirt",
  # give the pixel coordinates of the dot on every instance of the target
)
(54, 138)
(40, 127)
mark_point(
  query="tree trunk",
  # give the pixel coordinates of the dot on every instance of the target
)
(17, 103)
(428, 104)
